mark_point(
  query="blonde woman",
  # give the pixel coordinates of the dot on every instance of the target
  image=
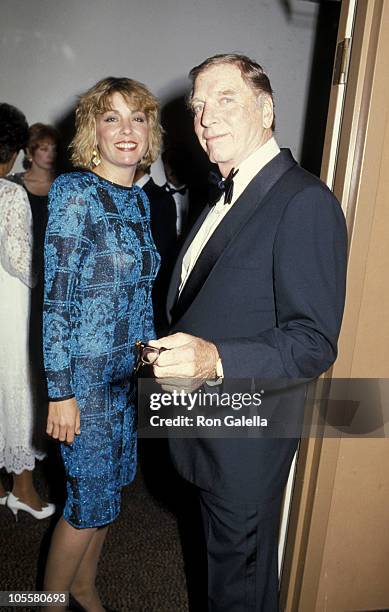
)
(100, 264)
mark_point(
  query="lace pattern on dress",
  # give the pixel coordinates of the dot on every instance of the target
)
(16, 232)
(18, 423)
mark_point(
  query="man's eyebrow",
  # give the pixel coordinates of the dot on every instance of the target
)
(227, 92)
(221, 92)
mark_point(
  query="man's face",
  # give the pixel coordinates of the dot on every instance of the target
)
(231, 121)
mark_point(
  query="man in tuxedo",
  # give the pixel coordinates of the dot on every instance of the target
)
(163, 219)
(173, 162)
(257, 291)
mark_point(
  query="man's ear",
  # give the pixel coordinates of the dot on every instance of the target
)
(267, 110)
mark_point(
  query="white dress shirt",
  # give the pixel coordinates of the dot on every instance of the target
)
(248, 169)
(143, 180)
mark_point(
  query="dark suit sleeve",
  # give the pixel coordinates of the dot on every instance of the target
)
(309, 277)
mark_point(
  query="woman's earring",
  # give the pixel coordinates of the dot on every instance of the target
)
(96, 160)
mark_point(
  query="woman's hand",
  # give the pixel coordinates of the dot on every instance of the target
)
(63, 420)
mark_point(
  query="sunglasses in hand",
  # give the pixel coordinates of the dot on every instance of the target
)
(147, 355)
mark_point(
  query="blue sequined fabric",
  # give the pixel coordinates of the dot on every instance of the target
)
(100, 264)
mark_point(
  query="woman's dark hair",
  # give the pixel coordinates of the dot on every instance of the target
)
(13, 131)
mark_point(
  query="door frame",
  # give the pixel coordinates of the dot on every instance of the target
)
(341, 167)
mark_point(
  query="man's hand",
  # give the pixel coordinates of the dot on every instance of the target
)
(63, 420)
(187, 357)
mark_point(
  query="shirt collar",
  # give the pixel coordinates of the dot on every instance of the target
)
(253, 164)
(143, 180)
(173, 187)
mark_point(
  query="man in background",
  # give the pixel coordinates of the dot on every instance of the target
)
(163, 220)
(174, 165)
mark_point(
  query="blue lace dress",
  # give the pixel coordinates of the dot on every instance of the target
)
(100, 264)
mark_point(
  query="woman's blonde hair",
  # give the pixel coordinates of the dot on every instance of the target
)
(97, 100)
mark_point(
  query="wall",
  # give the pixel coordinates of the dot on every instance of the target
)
(51, 51)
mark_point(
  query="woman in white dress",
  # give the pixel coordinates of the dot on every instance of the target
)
(17, 450)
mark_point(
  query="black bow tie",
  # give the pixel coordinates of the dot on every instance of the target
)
(226, 185)
(173, 190)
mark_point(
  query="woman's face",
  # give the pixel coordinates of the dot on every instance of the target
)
(45, 155)
(122, 135)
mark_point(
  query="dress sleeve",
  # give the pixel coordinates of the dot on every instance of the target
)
(149, 331)
(67, 244)
(16, 242)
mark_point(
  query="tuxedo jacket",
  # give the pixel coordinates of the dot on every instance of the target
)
(163, 217)
(268, 289)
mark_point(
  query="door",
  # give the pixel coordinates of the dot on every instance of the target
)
(336, 553)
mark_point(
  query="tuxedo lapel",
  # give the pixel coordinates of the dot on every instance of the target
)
(250, 200)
